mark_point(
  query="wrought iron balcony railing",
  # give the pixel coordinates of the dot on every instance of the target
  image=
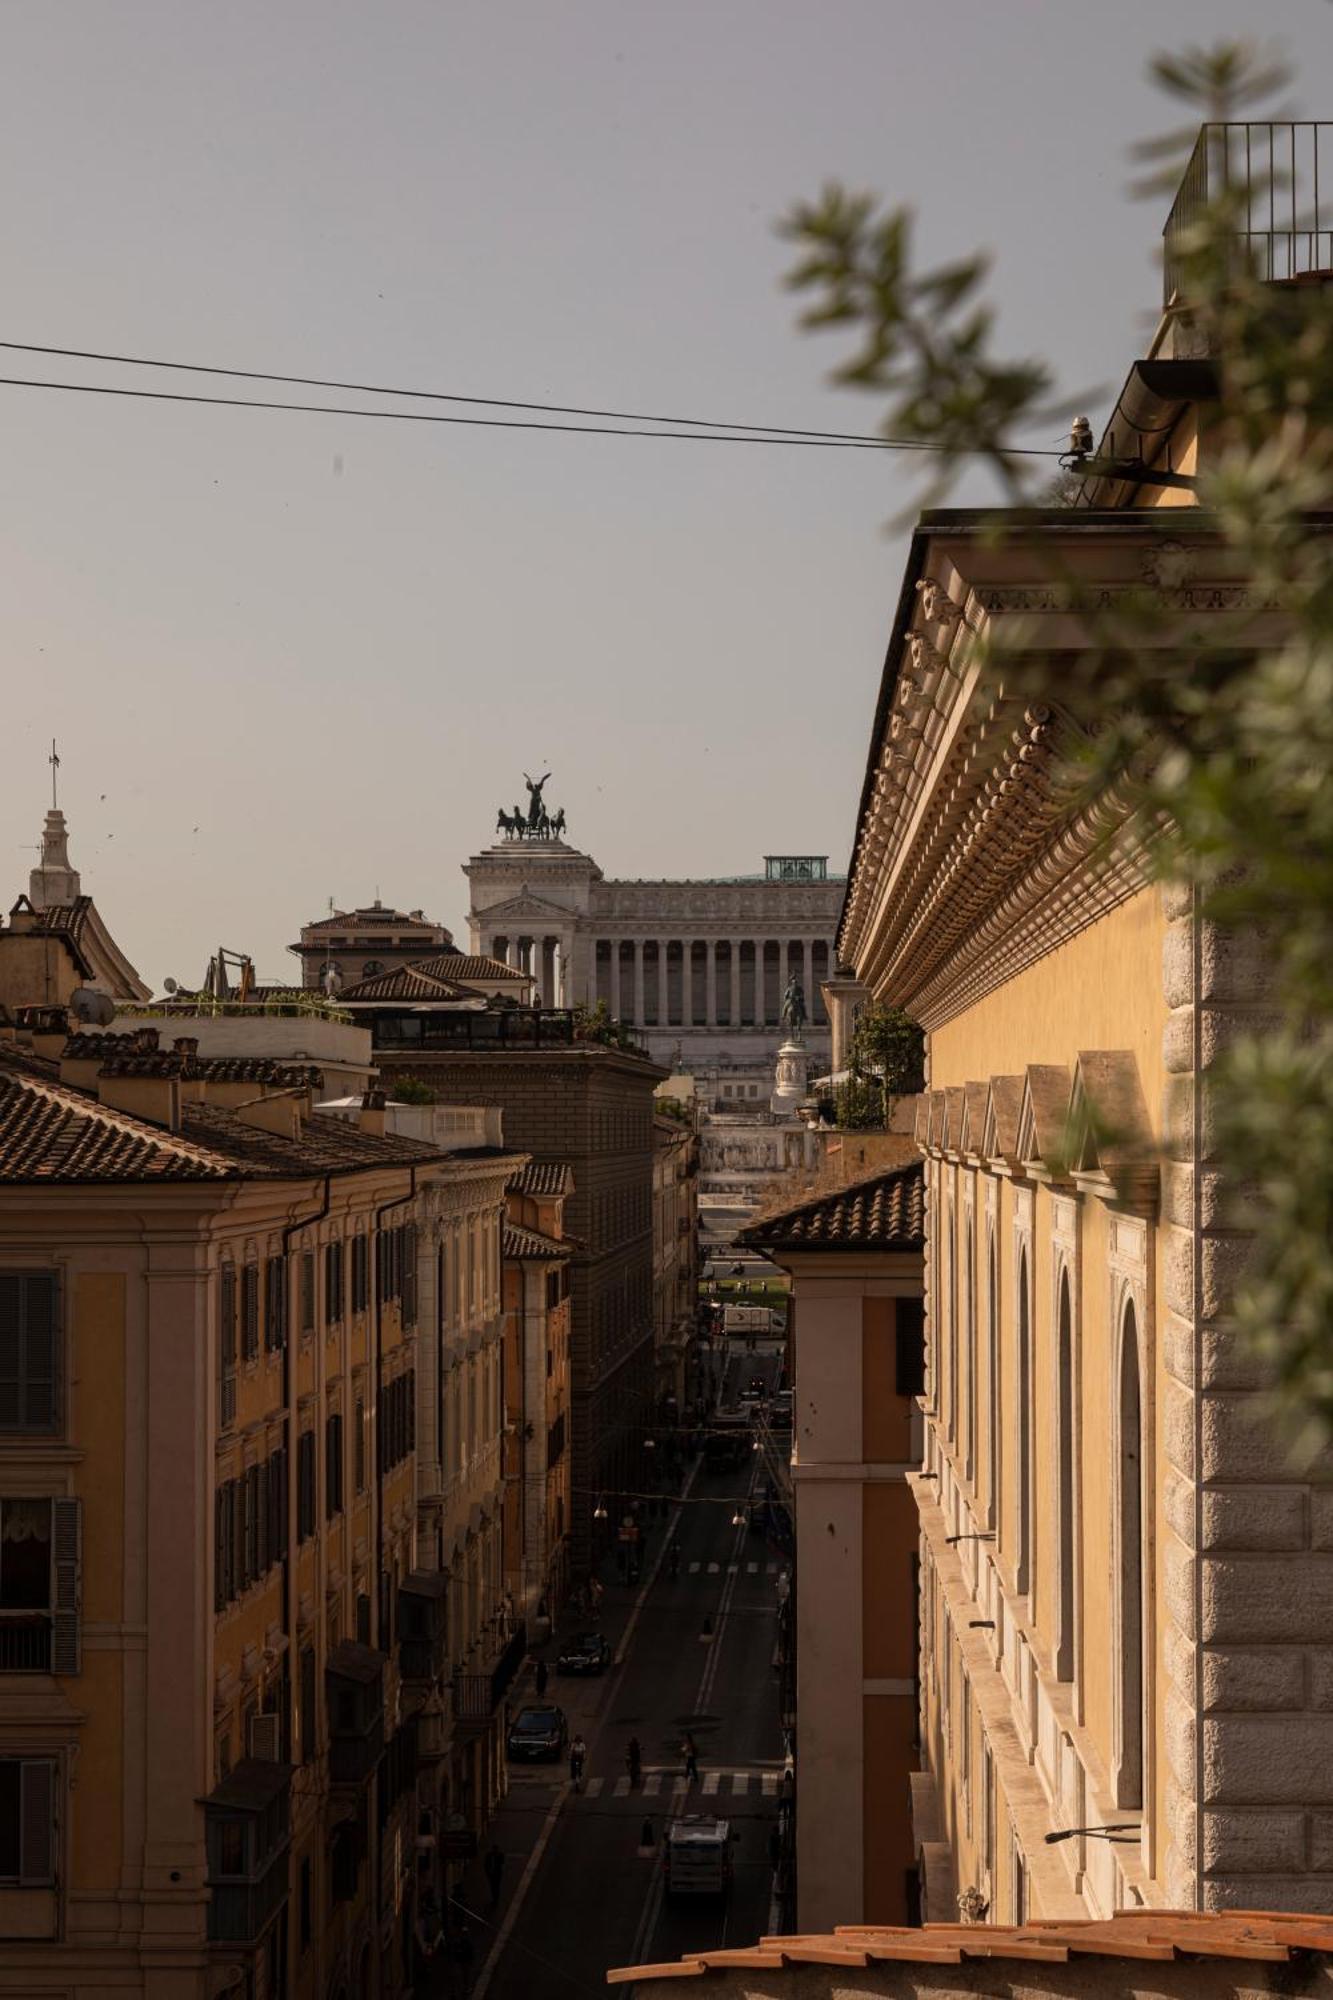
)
(1284, 217)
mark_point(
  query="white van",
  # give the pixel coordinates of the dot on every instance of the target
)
(698, 1856)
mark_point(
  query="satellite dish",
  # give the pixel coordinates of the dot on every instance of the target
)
(88, 1005)
(170, 986)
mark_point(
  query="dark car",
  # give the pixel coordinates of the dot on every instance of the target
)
(538, 1733)
(590, 1653)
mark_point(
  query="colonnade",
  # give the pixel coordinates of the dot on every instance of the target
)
(706, 982)
(545, 960)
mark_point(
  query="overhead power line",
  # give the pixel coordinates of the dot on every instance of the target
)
(618, 423)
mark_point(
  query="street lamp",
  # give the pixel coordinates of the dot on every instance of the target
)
(1096, 1832)
(599, 1511)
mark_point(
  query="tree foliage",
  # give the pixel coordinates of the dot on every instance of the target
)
(1231, 759)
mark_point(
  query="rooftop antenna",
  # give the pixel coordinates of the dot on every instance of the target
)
(54, 761)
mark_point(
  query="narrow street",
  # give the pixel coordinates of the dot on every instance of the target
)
(583, 1890)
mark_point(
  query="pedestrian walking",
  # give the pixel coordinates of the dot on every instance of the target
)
(494, 1865)
(542, 1677)
(689, 1750)
(462, 1957)
(578, 1757)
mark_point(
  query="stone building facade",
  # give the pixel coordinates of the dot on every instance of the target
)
(589, 1108)
(1125, 1578)
(698, 968)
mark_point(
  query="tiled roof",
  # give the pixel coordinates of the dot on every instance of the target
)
(408, 982)
(137, 1054)
(883, 1211)
(17, 1056)
(458, 965)
(343, 920)
(51, 1134)
(543, 1181)
(1135, 1935)
(519, 1241)
(325, 1145)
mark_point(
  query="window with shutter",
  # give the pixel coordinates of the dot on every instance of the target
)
(359, 1445)
(333, 1464)
(360, 1273)
(309, 1718)
(333, 1283)
(238, 1577)
(27, 1821)
(29, 1348)
(275, 1305)
(305, 1486)
(307, 1291)
(67, 1542)
(220, 1549)
(250, 1312)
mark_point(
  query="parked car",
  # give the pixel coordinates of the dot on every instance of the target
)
(590, 1653)
(538, 1733)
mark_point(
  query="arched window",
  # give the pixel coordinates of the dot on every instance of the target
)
(970, 1348)
(992, 1379)
(1129, 1571)
(1024, 1415)
(953, 1328)
(1064, 1651)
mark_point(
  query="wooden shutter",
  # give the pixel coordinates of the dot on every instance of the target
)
(307, 1291)
(28, 1351)
(220, 1549)
(67, 1542)
(37, 1844)
(227, 1317)
(250, 1312)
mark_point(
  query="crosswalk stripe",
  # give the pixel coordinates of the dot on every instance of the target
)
(712, 1779)
(594, 1786)
(740, 1783)
(652, 1785)
(695, 1568)
(678, 1785)
(713, 1569)
(621, 1789)
(732, 1568)
(752, 1569)
(769, 1784)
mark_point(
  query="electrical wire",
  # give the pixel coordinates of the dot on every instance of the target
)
(736, 432)
(482, 423)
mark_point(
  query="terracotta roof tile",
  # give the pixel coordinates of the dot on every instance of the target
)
(882, 1211)
(325, 1145)
(519, 1241)
(543, 1180)
(460, 965)
(1136, 1935)
(409, 982)
(52, 1134)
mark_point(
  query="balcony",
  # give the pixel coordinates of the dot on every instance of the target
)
(354, 1681)
(1282, 229)
(478, 1696)
(25, 1643)
(421, 1625)
(247, 1831)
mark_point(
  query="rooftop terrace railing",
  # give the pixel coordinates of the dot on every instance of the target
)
(1278, 173)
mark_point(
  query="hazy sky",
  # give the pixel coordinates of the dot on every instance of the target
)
(306, 657)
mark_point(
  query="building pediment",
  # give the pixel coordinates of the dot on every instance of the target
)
(974, 1119)
(1043, 1120)
(1110, 1136)
(525, 908)
(999, 1139)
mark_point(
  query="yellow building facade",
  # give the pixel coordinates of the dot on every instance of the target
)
(235, 1651)
(1125, 1582)
(537, 1262)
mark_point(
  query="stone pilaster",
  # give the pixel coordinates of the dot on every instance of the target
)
(1247, 1556)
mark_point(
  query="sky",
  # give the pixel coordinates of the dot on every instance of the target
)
(294, 658)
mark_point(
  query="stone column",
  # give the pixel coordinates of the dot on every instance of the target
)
(784, 946)
(710, 982)
(808, 961)
(638, 982)
(613, 980)
(735, 982)
(663, 983)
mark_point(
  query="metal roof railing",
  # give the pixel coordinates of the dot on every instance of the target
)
(1285, 216)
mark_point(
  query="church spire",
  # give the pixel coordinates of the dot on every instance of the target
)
(53, 881)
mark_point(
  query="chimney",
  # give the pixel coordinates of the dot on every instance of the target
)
(187, 1048)
(372, 1113)
(280, 1113)
(154, 1098)
(144, 1041)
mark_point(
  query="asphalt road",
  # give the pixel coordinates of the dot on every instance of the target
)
(586, 1890)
